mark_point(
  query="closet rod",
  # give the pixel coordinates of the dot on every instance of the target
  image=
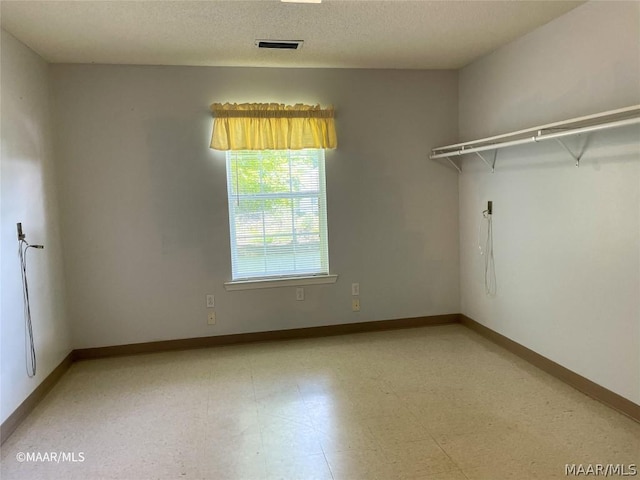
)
(536, 138)
(626, 111)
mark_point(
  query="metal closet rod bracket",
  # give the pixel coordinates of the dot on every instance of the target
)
(577, 157)
(491, 165)
(454, 164)
(620, 117)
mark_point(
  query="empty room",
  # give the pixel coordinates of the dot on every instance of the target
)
(319, 239)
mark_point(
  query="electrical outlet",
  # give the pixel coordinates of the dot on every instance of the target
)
(355, 304)
(211, 318)
(355, 289)
(299, 294)
(210, 303)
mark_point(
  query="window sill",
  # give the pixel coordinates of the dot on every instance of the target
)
(279, 282)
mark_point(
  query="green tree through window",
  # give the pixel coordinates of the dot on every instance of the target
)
(277, 213)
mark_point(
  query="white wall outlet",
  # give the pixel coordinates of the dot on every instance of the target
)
(355, 289)
(355, 304)
(211, 318)
(299, 294)
(210, 303)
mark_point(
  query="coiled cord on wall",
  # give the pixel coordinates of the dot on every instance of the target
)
(490, 282)
(30, 349)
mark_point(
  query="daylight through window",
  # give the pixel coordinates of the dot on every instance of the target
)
(277, 213)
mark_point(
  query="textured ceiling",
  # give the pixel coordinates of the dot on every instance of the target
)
(347, 34)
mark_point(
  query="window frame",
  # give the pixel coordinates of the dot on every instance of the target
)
(276, 279)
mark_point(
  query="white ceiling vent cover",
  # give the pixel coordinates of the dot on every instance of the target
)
(280, 44)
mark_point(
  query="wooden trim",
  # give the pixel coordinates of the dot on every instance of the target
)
(578, 382)
(279, 282)
(295, 333)
(12, 422)
(25, 408)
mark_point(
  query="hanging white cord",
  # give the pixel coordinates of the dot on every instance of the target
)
(490, 282)
(30, 349)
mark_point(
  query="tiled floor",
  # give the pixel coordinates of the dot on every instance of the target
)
(427, 403)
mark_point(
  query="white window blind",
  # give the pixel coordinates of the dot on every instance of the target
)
(277, 213)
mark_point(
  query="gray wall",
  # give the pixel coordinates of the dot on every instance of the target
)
(145, 222)
(567, 240)
(28, 196)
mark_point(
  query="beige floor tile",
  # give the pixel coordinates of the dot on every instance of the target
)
(236, 457)
(367, 464)
(308, 467)
(428, 403)
(392, 429)
(288, 407)
(329, 410)
(418, 459)
(499, 446)
(284, 437)
(250, 466)
(454, 416)
(544, 467)
(345, 436)
(315, 385)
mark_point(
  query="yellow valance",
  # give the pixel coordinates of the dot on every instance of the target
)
(272, 126)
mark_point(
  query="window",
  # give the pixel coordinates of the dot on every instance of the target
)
(277, 213)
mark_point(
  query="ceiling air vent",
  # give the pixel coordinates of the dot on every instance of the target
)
(280, 44)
